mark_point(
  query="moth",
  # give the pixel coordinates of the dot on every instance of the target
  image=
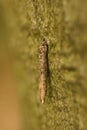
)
(43, 59)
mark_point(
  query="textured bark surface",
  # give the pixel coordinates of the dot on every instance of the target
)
(64, 23)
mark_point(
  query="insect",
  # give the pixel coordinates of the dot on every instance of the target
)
(43, 57)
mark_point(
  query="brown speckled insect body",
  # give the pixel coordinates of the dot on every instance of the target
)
(43, 56)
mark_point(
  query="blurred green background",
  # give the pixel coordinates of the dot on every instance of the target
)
(23, 24)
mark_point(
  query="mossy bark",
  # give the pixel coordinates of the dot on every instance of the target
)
(30, 22)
